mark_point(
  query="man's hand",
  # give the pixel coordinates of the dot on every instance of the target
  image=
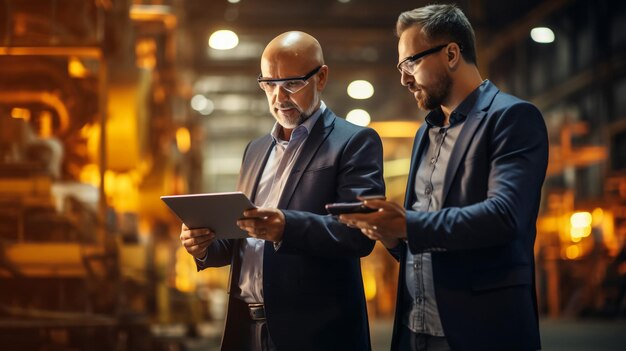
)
(388, 224)
(196, 241)
(263, 223)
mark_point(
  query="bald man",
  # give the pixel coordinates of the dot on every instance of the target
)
(296, 281)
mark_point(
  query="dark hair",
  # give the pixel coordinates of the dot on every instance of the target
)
(445, 22)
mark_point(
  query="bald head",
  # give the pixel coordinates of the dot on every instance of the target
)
(295, 49)
(293, 56)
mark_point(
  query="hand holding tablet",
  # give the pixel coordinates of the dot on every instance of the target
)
(216, 211)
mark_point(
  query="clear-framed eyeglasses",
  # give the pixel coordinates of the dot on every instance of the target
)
(291, 85)
(408, 64)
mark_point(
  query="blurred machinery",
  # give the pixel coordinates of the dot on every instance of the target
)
(581, 240)
(88, 140)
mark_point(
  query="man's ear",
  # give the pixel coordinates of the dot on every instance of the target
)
(453, 51)
(322, 78)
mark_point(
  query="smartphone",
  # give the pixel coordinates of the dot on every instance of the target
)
(338, 208)
(348, 207)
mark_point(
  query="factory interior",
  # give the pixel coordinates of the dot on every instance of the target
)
(106, 105)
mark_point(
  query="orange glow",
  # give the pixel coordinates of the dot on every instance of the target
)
(145, 51)
(52, 100)
(572, 252)
(185, 271)
(76, 68)
(369, 284)
(45, 124)
(395, 129)
(90, 174)
(20, 113)
(121, 129)
(597, 217)
(91, 132)
(122, 190)
(183, 139)
(610, 236)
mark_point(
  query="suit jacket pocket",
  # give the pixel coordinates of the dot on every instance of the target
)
(501, 277)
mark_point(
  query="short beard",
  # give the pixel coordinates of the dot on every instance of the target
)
(434, 96)
(292, 124)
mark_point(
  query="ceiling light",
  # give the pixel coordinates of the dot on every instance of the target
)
(360, 89)
(233, 1)
(223, 40)
(542, 35)
(358, 117)
(199, 102)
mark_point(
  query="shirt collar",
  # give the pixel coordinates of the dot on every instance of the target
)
(304, 128)
(435, 118)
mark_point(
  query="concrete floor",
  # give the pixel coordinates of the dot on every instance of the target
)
(556, 335)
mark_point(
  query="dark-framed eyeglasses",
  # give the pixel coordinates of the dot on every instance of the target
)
(291, 85)
(408, 64)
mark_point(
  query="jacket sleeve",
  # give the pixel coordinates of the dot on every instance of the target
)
(219, 254)
(518, 159)
(360, 173)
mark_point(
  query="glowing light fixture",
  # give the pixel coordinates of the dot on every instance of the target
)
(199, 102)
(223, 40)
(580, 219)
(581, 226)
(542, 35)
(202, 104)
(208, 109)
(234, 1)
(358, 117)
(360, 89)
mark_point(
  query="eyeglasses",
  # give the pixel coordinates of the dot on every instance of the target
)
(408, 64)
(290, 85)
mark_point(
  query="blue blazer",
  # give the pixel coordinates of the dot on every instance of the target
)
(482, 239)
(313, 290)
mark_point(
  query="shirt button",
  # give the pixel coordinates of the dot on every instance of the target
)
(432, 161)
(429, 189)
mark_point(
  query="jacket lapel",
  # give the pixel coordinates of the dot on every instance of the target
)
(419, 144)
(251, 174)
(319, 133)
(466, 135)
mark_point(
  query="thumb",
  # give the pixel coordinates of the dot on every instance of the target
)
(260, 212)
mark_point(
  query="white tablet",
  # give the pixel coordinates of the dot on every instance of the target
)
(216, 211)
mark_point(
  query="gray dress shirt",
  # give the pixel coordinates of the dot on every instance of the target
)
(423, 316)
(277, 169)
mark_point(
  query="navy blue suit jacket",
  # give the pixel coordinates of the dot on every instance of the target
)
(482, 239)
(312, 285)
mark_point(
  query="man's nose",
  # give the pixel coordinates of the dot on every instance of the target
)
(405, 78)
(281, 94)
